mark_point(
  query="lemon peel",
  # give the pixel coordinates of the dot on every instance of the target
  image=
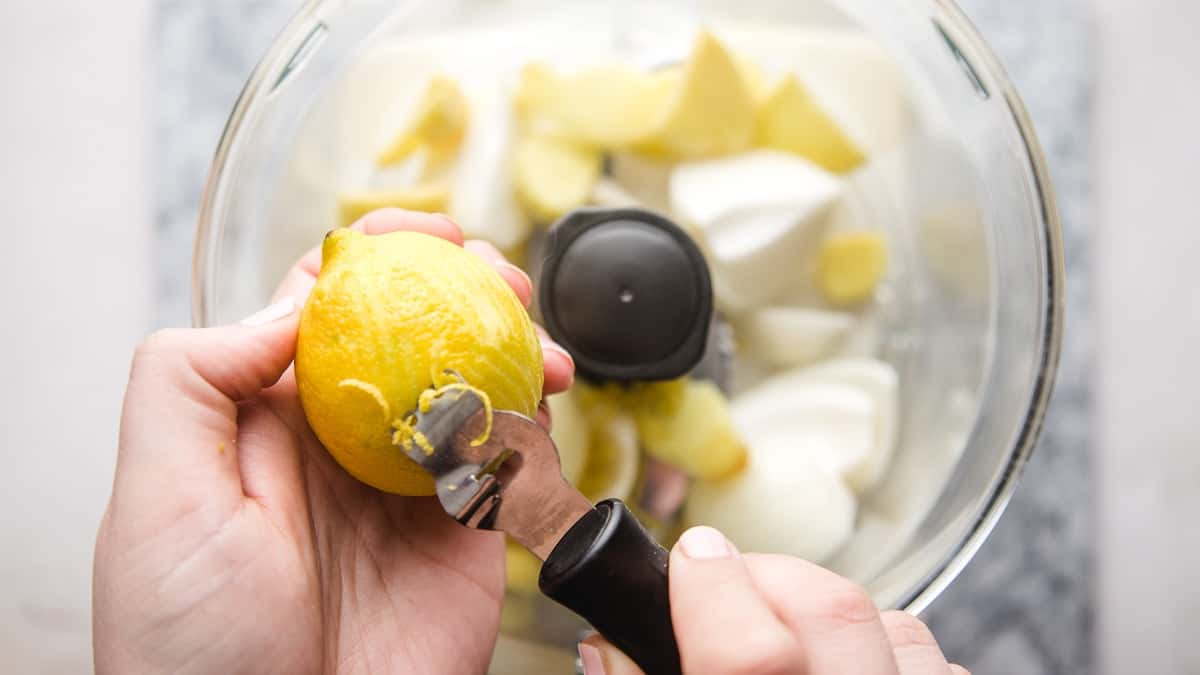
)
(370, 390)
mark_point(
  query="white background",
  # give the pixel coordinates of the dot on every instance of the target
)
(76, 292)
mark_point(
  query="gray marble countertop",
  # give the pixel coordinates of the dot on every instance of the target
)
(1024, 605)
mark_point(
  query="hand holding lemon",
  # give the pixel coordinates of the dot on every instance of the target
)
(233, 540)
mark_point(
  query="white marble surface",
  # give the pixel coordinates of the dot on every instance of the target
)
(1147, 428)
(75, 295)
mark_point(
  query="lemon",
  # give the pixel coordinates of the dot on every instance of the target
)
(388, 317)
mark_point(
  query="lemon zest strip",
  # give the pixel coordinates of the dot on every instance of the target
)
(405, 432)
(370, 390)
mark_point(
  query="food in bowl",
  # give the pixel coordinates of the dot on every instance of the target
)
(752, 164)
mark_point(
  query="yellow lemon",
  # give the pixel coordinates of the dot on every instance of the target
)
(390, 315)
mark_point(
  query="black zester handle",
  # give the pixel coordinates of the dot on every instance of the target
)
(610, 571)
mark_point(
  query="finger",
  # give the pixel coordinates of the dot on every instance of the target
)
(179, 421)
(558, 366)
(600, 657)
(913, 645)
(383, 221)
(723, 624)
(513, 275)
(299, 279)
(836, 621)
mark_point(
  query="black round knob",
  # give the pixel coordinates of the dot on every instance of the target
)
(627, 292)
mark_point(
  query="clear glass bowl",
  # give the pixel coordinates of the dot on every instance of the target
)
(971, 313)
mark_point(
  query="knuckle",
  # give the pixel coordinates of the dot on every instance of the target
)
(162, 352)
(764, 655)
(905, 630)
(158, 344)
(847, 603)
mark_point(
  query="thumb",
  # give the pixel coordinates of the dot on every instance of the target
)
(712, 594)
(599, 657)
(179, 420)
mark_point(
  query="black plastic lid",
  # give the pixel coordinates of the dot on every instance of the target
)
(627, 293)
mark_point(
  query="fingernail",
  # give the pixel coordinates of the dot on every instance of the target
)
(274, 312)
(593, 662)
(564, 358)
(705, 543)
(505, 265)
(554, 348)
(453, 222)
